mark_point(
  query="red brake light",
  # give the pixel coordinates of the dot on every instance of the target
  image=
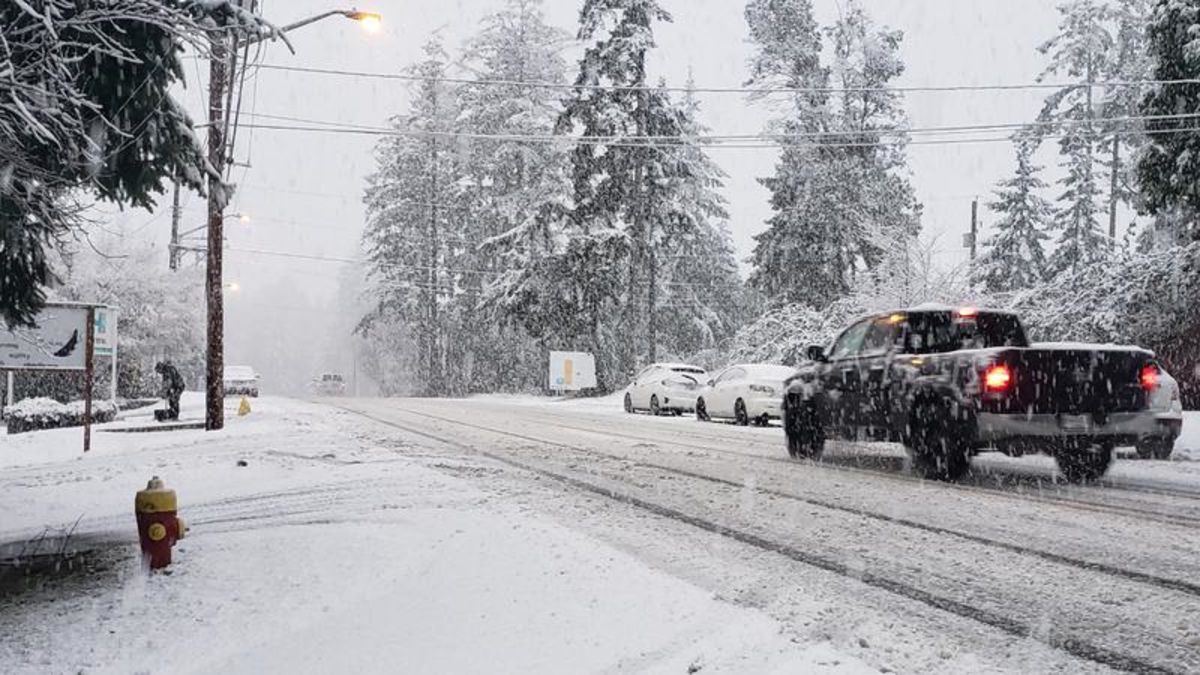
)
(997, 378)
(1149, 377)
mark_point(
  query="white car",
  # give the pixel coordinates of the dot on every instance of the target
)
(665, 388)
(240, 381)
(1168, 410)
(745, 393)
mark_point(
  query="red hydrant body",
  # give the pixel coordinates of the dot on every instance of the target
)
(158, 526)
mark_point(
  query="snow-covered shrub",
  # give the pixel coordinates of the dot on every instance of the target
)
(34, 414)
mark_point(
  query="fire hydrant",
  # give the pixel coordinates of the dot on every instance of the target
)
(158, 526)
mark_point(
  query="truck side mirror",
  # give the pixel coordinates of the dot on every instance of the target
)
(816, 353)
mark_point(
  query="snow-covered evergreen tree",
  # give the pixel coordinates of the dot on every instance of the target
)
(412, 236)
(1169, 169)
(1098, 42)
(840, 193)
(85, 105)
(1014, 258)
(512, 186)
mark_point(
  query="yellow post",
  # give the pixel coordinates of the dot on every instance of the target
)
(244, 407)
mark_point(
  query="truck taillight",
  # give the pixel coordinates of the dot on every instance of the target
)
(1149, 377)
(997, 378)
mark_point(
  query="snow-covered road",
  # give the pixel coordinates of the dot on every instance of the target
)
(512, 535)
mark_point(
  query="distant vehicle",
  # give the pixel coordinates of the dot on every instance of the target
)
(665, 388)
(745, 393)
(949, 383)
(241, 381)
(1168, 410)
(330, 384)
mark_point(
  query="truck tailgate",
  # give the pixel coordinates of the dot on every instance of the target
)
(1075, 381)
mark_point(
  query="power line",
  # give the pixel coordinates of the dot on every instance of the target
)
(681, 142)
(726, 90)
(713, 138)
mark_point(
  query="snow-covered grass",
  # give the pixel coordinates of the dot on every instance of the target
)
(328, 553)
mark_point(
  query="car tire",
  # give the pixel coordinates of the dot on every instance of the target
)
(935, 443)
(628, 403)
(701, 410)
(805, 435)
(1155, 448)
(1083, 462)
(655, 410)
(739, 413)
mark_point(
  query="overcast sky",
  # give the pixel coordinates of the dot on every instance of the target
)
(303, 191)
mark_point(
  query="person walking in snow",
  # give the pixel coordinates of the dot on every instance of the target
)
(172, 388)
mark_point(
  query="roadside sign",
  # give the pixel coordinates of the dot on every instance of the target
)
(106, 331)
(572, 371)
(58, 342)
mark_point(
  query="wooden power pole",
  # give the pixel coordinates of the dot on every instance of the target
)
(214, 394)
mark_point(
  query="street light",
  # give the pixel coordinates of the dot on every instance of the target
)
(214, 397)
(371, 21)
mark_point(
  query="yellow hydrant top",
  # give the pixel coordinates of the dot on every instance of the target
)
(155, 498)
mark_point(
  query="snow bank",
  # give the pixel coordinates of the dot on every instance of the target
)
(1187, 447)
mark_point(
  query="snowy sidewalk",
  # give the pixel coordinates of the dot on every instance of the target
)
(327, 554)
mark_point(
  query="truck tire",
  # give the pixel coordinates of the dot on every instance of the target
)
(936, 444)
(1155, 448)
(1083, 462)
(805, 436)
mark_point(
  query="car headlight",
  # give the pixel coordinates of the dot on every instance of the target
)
(763, 389)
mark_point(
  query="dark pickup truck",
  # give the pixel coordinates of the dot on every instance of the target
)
(949, 383)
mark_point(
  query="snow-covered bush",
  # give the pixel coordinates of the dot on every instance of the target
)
(33, 414)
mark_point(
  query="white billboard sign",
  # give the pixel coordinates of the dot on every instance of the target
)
(572, 371)
(105, 338)
(57, 343)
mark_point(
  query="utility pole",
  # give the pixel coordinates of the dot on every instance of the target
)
(974, 236)
(176, 214)
(214, 395)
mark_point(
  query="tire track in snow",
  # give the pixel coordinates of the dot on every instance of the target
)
(1076, 647)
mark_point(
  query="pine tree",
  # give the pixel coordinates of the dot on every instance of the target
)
(840, 194)
(1169, 170)
(1015, 258)
(86, 110)
(513, 186)
(609, 216)
(1097, 41)
(411, 236)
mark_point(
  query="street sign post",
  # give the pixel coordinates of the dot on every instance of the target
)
(63, 338)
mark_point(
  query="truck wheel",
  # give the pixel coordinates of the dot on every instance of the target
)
(739, 413)
(701, 410)
(805, 436)
(1083, 462)
(654, 408)
(1155, 448)
(935, 444)
(628, 403)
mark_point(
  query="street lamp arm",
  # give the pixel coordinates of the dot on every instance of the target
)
(281, 31)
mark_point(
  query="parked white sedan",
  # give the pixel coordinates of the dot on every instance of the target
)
(745, 393)
(665, 388)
